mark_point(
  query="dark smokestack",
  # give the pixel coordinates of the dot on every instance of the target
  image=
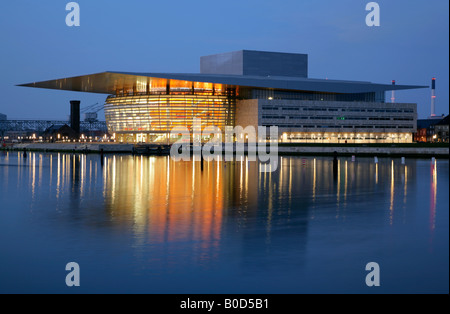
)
(75, 115)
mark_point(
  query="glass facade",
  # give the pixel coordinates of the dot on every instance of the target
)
(149, 118)
(147, 112)
(256, 93)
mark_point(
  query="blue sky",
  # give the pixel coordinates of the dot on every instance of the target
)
(411, 45)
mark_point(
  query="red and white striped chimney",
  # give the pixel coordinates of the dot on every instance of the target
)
(433, 97)
(393, 93)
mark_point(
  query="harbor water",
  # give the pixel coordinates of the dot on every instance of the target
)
(143, 224)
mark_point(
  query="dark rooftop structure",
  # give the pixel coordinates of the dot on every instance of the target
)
(443, 121)
(442, 130)
(61, 131)
(109, 82)
(256, 63)
(244, 68)
(427, 123)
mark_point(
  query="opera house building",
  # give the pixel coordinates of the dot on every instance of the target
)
(248, 88)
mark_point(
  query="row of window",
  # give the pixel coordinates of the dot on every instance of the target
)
(311, 96)
(332, 118)
(313, 137)
(342, 127)
(337, 109)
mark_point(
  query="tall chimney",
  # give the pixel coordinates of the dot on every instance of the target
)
(75, 116)
(433, 97)
(393, 93)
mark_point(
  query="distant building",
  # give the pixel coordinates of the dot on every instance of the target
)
(15, 136)
(425, 130)
(59, 132)
(3, 117)
(441, 130)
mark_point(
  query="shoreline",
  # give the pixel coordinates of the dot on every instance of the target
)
(363, 150)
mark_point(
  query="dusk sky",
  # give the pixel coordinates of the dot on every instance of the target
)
(411, 45)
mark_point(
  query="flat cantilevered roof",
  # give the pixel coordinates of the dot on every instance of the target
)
(110, 82)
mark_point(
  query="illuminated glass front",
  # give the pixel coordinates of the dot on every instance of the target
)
(143, 117)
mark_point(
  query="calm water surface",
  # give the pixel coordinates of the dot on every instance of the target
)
(152, 225)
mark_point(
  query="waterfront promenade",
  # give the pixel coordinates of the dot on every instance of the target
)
(404, 150)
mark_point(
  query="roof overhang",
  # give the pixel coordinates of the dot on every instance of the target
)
(110, 82)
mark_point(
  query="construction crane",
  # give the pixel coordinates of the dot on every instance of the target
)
(90, 112)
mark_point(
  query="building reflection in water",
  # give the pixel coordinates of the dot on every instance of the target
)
(391, 207)
(433, 195)
(167, 202)
(159, 201)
